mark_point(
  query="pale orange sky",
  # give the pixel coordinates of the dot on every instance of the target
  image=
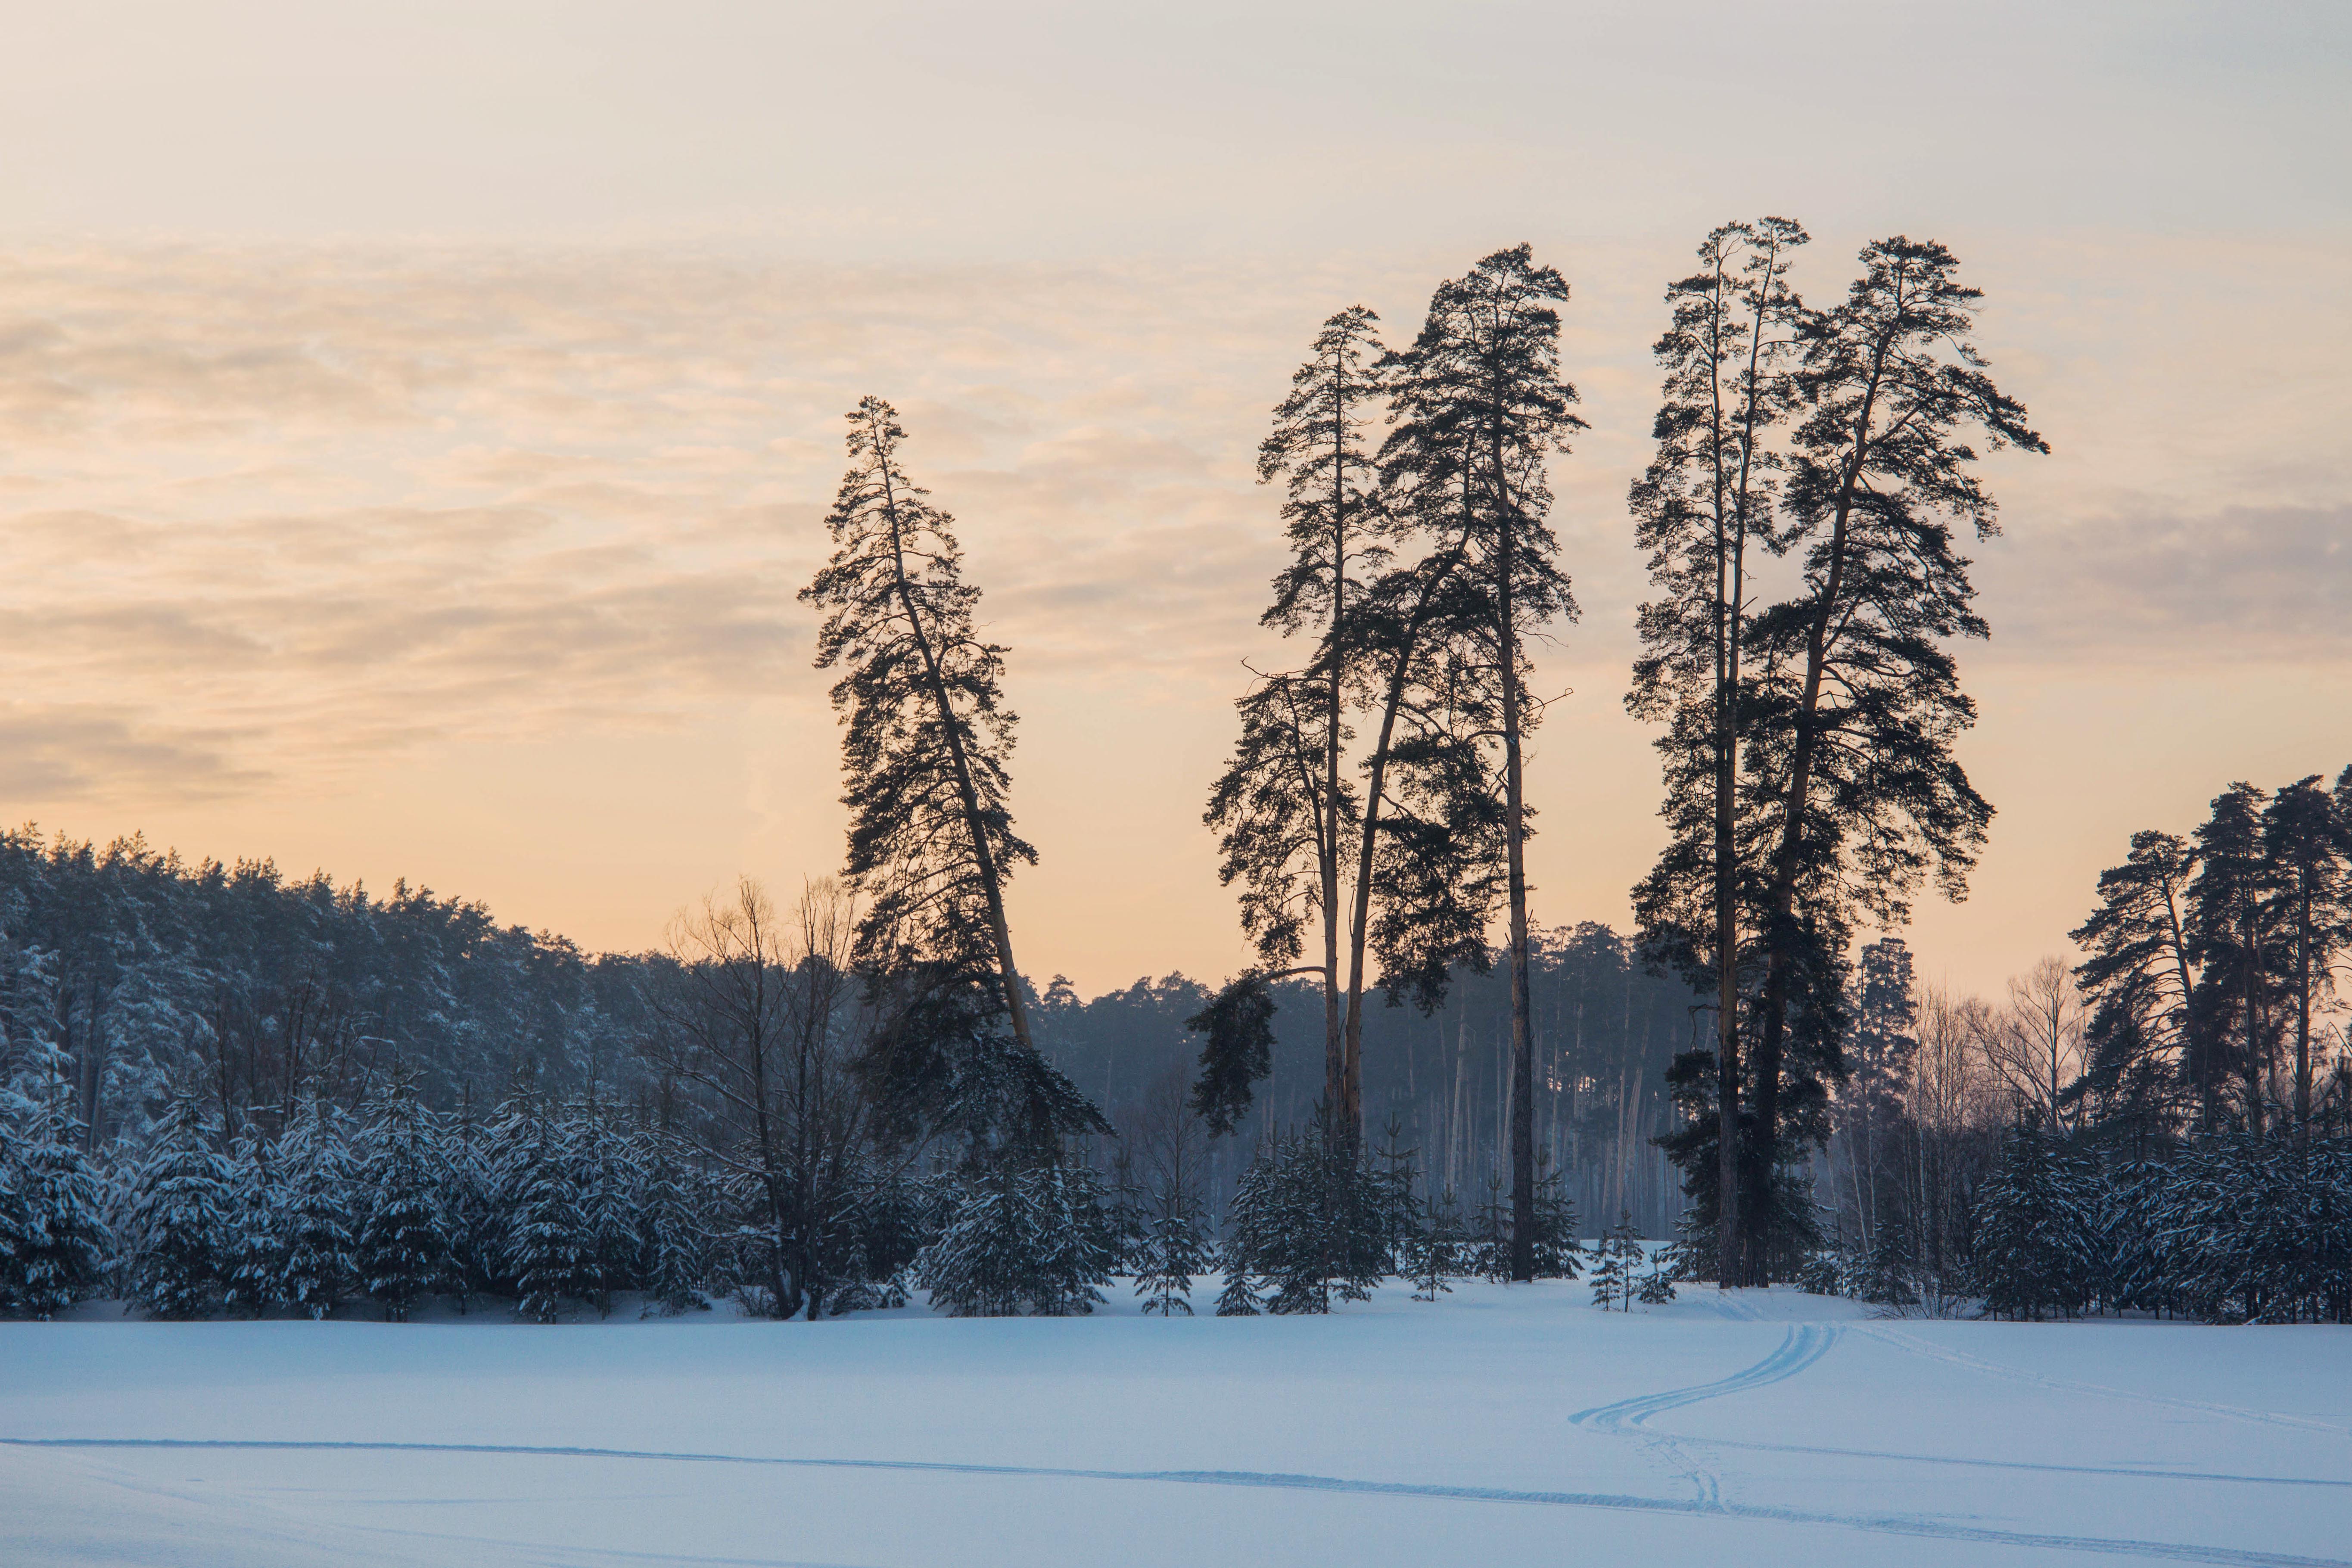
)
(413, 431)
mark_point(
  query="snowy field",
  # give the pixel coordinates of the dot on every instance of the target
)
(1502, 1427)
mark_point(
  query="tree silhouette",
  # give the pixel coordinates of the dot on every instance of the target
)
(1481, 381)
(1729, 353)
(1858, 703)
(2306, 843)
(926, 739)
(2140, 983)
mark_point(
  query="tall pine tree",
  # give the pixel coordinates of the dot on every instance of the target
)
(1483, 378)
(1729, 353)
(1400, 875)
(1858, 704)
(1285, 816)
(2234, 910)
(2140, 983)
(2308, 847)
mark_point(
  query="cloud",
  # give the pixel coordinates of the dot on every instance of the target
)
(81, 752)
(2227, 584)
(304, 506)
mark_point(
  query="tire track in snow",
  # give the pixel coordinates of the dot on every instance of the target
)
(1916, 1526)
(1919, 1347)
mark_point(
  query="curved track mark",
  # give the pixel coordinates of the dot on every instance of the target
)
(1804, 1344)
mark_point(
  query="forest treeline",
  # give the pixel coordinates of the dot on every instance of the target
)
(824, 1103)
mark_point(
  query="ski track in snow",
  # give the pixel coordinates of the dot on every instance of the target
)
(1913, 1344)
(1800, 1348)
(1804, 1344)
(1799, 1351)
(1885, 1524)
(2126, 1471)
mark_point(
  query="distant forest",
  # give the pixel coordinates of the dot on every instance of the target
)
(149, 973)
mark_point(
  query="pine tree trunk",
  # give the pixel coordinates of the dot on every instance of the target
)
(1730, 1268)
(1523, 1127)
(2302, 1014)
(1338, 1078)
(1367, 829)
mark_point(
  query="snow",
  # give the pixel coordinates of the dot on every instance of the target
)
(1501, 1425)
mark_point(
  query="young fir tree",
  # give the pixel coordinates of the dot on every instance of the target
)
(1313, 1222)
(1032, 1238)
(1857, 704)
(674, 1238)
(178, 1218)
(1657, 1286)
(1490, 1232)
(1889, 1263)
(1248, 1217)
(15, 1231)
(926, 740)
(401, 1252)
(2036, 1248)
(255, 1265)
(613, 1204)
(1728, 355)
(320, 1267)
(1616, 1266)
(1173, 1248)
(1483, 380)
(1432, 1249)
(2140, 984)
(1557, 1255)
(61, 1253)
(550, 1241)
(1077, 1246)
(471, 1216)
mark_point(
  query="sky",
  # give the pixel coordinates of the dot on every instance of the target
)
(415, 423)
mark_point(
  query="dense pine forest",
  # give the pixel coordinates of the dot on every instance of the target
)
(231, 1091)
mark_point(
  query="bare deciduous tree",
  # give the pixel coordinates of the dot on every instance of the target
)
(2034, 1045)
(754, 1008)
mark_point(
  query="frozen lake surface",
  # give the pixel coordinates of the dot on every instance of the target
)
(1499, 1427)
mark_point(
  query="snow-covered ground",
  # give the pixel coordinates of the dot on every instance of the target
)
(1500, 1426)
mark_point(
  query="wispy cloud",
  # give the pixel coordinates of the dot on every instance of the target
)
(290, 509)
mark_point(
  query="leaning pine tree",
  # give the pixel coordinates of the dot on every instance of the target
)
(931, 844)
(1729, 353)
(1857, 705)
